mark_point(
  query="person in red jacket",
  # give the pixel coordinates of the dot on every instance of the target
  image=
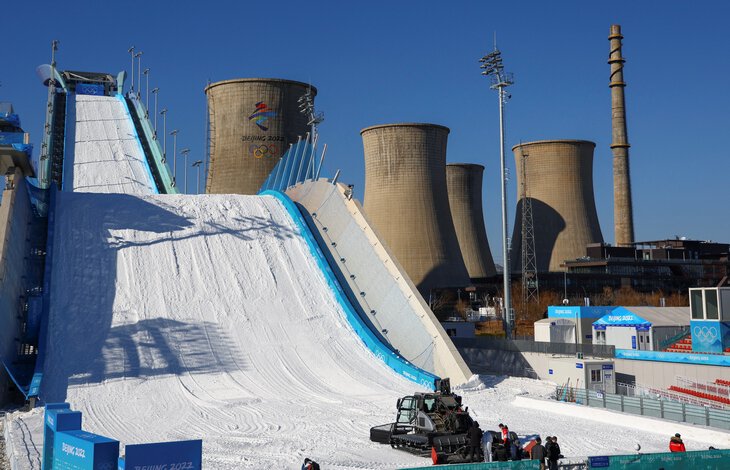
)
(505, 435)
(676, 444)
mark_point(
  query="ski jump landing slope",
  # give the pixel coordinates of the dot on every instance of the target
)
(105, 155)
(182, 317)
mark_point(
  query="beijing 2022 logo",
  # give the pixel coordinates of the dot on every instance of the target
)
(261, 115)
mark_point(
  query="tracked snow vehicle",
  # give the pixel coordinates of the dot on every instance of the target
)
(428, 422)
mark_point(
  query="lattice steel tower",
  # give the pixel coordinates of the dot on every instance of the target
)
(530, 289)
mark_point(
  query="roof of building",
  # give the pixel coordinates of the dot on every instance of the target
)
(657, 316)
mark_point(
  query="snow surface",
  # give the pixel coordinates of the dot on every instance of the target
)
(107, 156)
(180, 317)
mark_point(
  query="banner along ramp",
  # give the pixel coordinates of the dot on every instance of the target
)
(177, 317)
(105, 155)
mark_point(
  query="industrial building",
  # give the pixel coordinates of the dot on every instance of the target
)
(671, 265)
(464, 184)
(406, 201)
(558, 177)
(252, 122)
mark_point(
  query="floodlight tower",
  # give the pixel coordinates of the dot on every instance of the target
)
(491, 65)
(306, 107)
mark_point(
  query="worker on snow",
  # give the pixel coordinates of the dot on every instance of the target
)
(676, 444)
(553, 453)
(487, 446)
(475, 441)
(505, 435)
(538, 452)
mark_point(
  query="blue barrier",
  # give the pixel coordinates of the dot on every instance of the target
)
(155, 148)
(396, 362)
(139, 145)
(35, 385)
(66, 446)
(179, 455)
(683, 358)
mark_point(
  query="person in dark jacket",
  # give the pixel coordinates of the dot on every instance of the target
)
(538, 452)
(553, 452)
(676, 444)
(475, 442)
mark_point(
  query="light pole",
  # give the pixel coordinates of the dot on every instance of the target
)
(197, 165)
(184, 152)
(131, 51)
(491, 65)
(155, 90)
(147, 92)
(174, 156)
(164, 134)
(138, 55)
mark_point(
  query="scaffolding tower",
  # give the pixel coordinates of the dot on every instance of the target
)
(530, 290)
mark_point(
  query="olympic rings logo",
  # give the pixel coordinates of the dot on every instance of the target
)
(705, 334)
(263, 150)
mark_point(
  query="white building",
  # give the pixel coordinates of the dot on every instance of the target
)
(641, 328)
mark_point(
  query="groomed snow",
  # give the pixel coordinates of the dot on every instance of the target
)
(179, 317)
(107, 157)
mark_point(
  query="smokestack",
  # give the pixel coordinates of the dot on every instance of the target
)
(407, 202)
(623, 218)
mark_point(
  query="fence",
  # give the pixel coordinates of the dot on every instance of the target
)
(636, 390)
(516, 345)
(664, 409)
(297, 165)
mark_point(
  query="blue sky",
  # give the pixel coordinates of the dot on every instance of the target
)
(400, 61)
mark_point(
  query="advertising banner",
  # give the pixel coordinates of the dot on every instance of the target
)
(179, 455)
(705, 459)
(90, 89)
(80, 450)
(684, 358)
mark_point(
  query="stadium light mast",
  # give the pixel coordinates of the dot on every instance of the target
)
(314, 118)
(138, 55)
(164, 134)
(491, 65)
(131, 52)
(174, 157)
(147, 91)
(185, 152)
(154, 91)
(197, 164)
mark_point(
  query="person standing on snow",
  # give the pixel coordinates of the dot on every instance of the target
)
(538, 452)
(487, 446)
(475, 441)
(553, 452)
(676, 444)
(505, 435)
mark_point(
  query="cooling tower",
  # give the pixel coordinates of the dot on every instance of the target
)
(623, 217)
(464, 184)
(407, 203)
(559, 183)
(252, 121)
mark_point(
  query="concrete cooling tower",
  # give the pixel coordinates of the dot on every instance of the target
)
(559, 182)
(464, 183)
(252, 121)
(407, 202)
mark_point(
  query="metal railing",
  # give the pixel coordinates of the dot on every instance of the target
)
(670, 341)
(297, 165)
(516, 345)
(634, 390)
(711, 388)
(645, 406)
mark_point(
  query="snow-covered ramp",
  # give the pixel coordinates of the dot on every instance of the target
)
(179, 317)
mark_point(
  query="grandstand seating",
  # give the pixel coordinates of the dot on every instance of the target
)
(723, 382)
(700, 394)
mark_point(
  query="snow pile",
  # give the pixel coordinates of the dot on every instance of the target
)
(107, 156)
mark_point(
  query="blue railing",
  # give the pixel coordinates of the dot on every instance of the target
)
(297, 165)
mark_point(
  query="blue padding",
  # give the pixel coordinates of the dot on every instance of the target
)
(396, 362)
(35, 385)
(17, 379)
(139, 146)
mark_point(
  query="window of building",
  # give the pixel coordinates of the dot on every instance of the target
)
(711, 311)
(696, 302)
(595, 376)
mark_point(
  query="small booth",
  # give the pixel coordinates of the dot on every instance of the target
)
(555, 330)
(710, 322)
(640, 328)
(591, 374)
